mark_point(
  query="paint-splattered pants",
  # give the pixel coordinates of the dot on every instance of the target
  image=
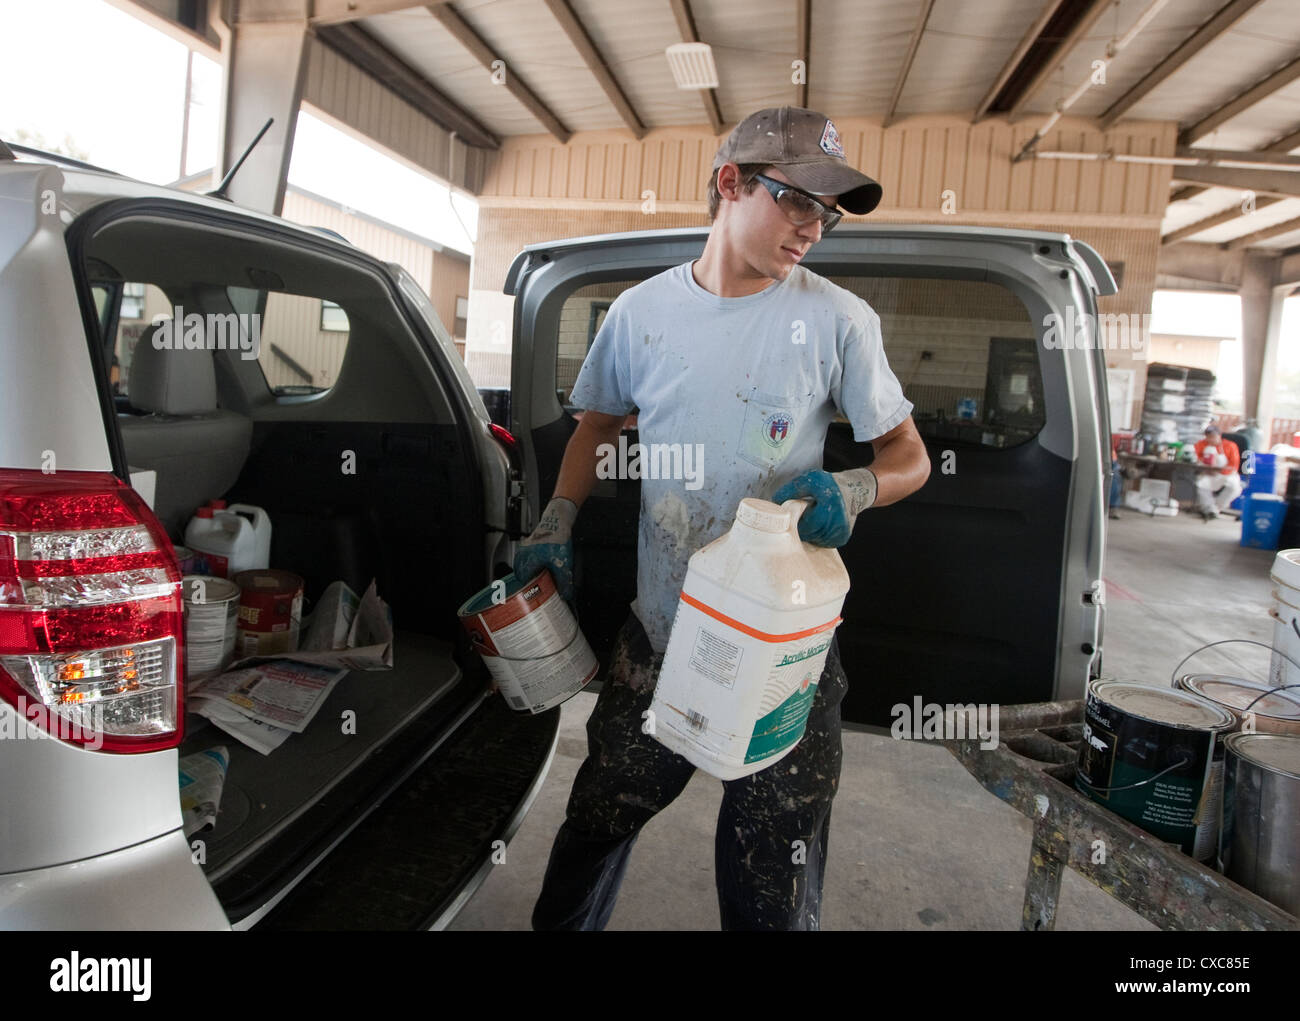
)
(770, 846)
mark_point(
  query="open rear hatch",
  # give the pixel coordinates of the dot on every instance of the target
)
(373, 474)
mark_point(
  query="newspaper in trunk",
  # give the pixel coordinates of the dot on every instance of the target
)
(262, 701)
(203, 775)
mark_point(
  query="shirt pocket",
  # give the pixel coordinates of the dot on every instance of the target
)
(770, 424)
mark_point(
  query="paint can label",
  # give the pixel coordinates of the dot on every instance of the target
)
(531, 643)
(1165, 779)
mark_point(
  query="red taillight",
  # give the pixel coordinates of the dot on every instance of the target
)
(90, 612)
(504, 437)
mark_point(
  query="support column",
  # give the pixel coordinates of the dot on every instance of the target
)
(264, 56)
(1261, 324)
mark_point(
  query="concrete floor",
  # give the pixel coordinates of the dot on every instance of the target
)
(916, 842)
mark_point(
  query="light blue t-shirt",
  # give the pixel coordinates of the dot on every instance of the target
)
(744, 388)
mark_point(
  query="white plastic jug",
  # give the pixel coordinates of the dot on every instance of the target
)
(758, 610)
(226, 541)
(261, 523)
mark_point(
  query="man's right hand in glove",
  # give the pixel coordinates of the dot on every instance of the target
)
(550, 547)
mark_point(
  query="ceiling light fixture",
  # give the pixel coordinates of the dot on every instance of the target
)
(692, 65)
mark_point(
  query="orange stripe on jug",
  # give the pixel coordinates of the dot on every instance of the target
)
(754, 632)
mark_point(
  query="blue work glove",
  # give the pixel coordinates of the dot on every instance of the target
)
(839, 499)
(550, 547)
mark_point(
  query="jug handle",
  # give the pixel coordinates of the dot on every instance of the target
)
(796, 506)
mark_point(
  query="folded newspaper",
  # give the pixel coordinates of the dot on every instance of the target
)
(203, 775)
(261, 701)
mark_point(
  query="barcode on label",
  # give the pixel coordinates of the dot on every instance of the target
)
(698, 721)
(517, 702)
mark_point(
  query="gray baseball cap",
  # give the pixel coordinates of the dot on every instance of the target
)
(803, 145)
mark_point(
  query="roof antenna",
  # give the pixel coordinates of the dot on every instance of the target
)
(220, 192)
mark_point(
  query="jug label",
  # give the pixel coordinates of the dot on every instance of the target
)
(783, 726)
(715, 657)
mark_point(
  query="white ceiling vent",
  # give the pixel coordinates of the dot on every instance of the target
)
(692, 65)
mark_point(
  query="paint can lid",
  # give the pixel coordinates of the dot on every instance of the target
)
(1278, 753)
(1286, 567)
(1238, 693)
(1163, 705)
(763, 515)
(214, 590)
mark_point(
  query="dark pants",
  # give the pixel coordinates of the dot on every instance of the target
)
(770, 845)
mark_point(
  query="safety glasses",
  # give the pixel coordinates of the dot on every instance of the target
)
(799, 206)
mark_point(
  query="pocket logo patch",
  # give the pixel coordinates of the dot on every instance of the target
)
(776, 427)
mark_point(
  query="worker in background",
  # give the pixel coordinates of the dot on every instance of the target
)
(1215, 490)
(746, 356)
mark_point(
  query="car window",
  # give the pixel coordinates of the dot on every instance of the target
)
(965, 353)
(302, 339)
(138, 304)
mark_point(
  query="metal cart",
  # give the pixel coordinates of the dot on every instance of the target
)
(1032, 769)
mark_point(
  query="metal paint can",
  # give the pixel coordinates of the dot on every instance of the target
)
(1260, 845)
(1154, 756)
(530, 642)
(1271, 712)
(211, 608)
(270, 612)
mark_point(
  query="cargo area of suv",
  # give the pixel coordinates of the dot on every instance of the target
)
(361, 451)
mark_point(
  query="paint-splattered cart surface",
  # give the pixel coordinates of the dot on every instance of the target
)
(1033, 769)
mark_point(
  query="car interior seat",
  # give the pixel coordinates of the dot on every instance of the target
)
(196, 448)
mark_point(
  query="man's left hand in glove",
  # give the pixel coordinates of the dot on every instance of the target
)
(839, 499)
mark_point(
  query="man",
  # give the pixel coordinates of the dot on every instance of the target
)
(1214, 491)
(743, 356)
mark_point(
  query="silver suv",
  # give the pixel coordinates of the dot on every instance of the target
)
(356, 427)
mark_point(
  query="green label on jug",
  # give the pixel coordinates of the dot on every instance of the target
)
(783, 726)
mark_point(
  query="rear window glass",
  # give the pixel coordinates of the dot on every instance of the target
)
(965, 352)
(302, 340)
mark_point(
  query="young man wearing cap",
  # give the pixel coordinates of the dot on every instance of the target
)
(744, 356)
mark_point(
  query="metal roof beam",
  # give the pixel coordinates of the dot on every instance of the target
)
(464, 34)
(337, 12)
(355, 44)
(1217, 220)
(1071, 40)
(689, 34)
(1220, 22)
(596, 64)
(1027, 40)
(803, 33)
(926, 7)
(1283, 76)
(1262, 182)
(1246, 240)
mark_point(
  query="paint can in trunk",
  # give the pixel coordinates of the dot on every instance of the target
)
(1154, 756)
(530, 641)
(1258, 708)
(1260, 845)
(211, 608)
(270, 612)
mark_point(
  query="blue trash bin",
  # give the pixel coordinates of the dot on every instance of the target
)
(1261, 520)
(1260, 481)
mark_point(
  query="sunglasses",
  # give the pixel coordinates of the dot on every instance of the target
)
(799, 206)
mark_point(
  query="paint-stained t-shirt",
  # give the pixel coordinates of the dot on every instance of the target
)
(733, 398)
